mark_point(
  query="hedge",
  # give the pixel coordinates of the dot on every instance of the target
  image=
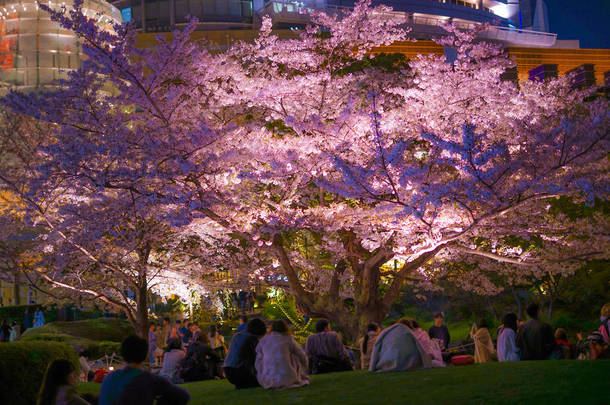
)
(94, 349)
(22, 366)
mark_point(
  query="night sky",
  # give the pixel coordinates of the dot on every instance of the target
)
(587, 20)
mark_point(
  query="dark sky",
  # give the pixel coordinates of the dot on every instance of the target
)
(587, 20)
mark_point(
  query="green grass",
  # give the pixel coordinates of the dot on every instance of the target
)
(544, 382)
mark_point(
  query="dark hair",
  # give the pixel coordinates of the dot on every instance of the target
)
(173, 344)
(134, 349)
(532, 310)
(371, 328)
(256, 327)
(438, 314)
(178, 322)
(166, 319)
(203, 338)
(244, 318)
(280, 326)
(510, 321)
(212, 330)
(561, 334)
(321, 325)
(414, 324)
(55, 376)
(406, 322)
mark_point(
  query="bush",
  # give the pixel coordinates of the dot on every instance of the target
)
(100, 329)
(22, 366)
(93, 349)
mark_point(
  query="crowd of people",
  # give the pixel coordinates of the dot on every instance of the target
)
(10, 331)
(267, 355)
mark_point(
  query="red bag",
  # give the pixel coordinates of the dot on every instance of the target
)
(463, 360)
(99, 375)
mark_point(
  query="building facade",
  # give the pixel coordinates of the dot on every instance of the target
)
(35, 51)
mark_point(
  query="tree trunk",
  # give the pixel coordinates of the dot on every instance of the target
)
(519, 310)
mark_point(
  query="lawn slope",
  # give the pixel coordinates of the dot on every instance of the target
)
(547, 382)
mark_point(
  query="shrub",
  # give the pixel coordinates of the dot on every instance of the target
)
(94, 349)
(22, 366)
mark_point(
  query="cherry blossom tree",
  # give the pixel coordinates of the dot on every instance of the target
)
(347, 173)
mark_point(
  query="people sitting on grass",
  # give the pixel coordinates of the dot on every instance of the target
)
(483, 344)
(431, 347)
(239, 365)
(598, 348)
(58, 385)
(201, 362)
(535, 338)
(563, 347)
(280, 362)
(173, 355)
(132, 385)
(397, 349)
(440, 331)
(325, 350)
(507, 347)
(367, 342)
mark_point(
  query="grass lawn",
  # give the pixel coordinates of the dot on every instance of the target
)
(544, 382)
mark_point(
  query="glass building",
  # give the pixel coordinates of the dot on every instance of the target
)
(35, 51)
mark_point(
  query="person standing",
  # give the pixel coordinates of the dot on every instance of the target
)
(535, 338)
(152, 343)
(27, 319)
(38, 318)
(5, 331)
(507, 348)
(440, 331)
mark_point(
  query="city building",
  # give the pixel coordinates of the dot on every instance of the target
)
(35, 51)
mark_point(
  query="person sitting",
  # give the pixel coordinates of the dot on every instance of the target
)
(367, 342)
(325, 351)
(563, 347)
(397, 349)
(440, 331)
(217, 341)
(483, 345)
(239, 365)
(173, 355)
(185, 333)
(201, 362)
(243, 322)
(431, 347)
(507, 348)
(535, 338)
(598, 348)
(58, 385)
(132, 385)
(280, 362)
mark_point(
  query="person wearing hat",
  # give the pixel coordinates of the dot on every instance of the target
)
(598, 346)
(440, 331)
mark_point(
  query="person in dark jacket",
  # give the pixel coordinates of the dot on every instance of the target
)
(132, 385)
(439, 331)
(535, 339)
(239, 365)
(201, 361)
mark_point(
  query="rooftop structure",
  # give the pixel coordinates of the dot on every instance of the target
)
(514, 22)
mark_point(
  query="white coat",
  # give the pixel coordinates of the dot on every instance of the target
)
(280, 362)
